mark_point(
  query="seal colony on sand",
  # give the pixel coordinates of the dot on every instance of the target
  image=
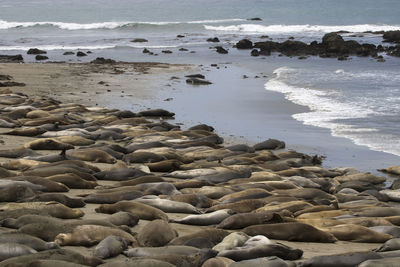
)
(136, 190)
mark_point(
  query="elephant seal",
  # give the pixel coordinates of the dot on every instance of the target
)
(206, 219)
(165, 165)
(265, 261)
(270, 144)
(390, 245)
(143, 211)
(378, 212)
(55, 254)
(385, 229)
(388, 262)
(156, 233)
(112, 197)
(52, 208)
(15, 192)
(157, 251)
(27, 240)
(18, 153)
(42, 184)
(9, 250)
(72, 181)
(123, 218)
(213, 235)
(91, 154)
(357, 233)
(242, 220)
(345, 260)
(139, 262)
(60, 198)
(196, 200)
(89, 235)
(257, 240)
(47, 144)
(212, 192)
(141, 180)
(252, 193)
(110, 246)
(167, 205)
(143, 157)
(26, 131)
(199, 242)
(280, 250)
(75, 140)
(120, 174)
(291, 232)
(218, 262)
(242, 206)
(162, 188)
(231, 241)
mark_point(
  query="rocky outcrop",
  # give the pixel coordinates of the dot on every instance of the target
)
(139, 40)
(213, 40)
(244, 44)
(81, 54)
(11, 59)
(40, 57)
(221, 50)
(391, 36)
(102, 60)
(35, 51)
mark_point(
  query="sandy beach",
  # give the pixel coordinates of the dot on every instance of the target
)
(140, 85)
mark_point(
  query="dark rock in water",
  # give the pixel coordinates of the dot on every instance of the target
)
(183, 49)
(200, 76)
(213, 40)
(244, 44)
(146, 51)
(167, 51)
(89, 52)
(391, 36)
(394, 51)
(221, 50)
(102, 60)
(197, 81)
(10, 84)
(80, 54)
(139, 40)
(255, 53)
(156, 113)
(270, 144)
(180, 36)
(35, 51)
(14, 58)
(40, 57)
(68, 53)
(255, 19)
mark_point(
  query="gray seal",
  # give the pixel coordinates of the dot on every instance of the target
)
(110, 246)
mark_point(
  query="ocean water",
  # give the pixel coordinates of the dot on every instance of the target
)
(358, 99)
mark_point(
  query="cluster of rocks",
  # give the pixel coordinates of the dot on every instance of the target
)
(171, 197)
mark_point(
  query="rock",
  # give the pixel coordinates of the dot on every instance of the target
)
(200, 76)
(197, 81)
(183, 49)
(167, 51)
(10, 84)
(244, 44)
(270, 144)
(255, 19)
(80, 54)
(391, 36)
(5, 77)
(213, 40)
(40, 57)
(255, 53)
(68, 53)
(180, 36)
(139, 40)
(146, 51)
(35, 51)
(221, 50)
(14, 58)
(102, 60)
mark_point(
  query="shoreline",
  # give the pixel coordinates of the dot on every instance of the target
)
(240, 109)
(310, 248)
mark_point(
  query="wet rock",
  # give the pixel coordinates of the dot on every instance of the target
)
(221, 50)
(167, 51)
(244, 44)
(213, 40)
(200, 76)
(391, 36)
(146, 51)
(35, 51)
(197, 81)
(40, 57)
(255, 53)
(11, 58)
(139, 40)
(255, 19)
(102, 60)
(68, 53)
(81, 54)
